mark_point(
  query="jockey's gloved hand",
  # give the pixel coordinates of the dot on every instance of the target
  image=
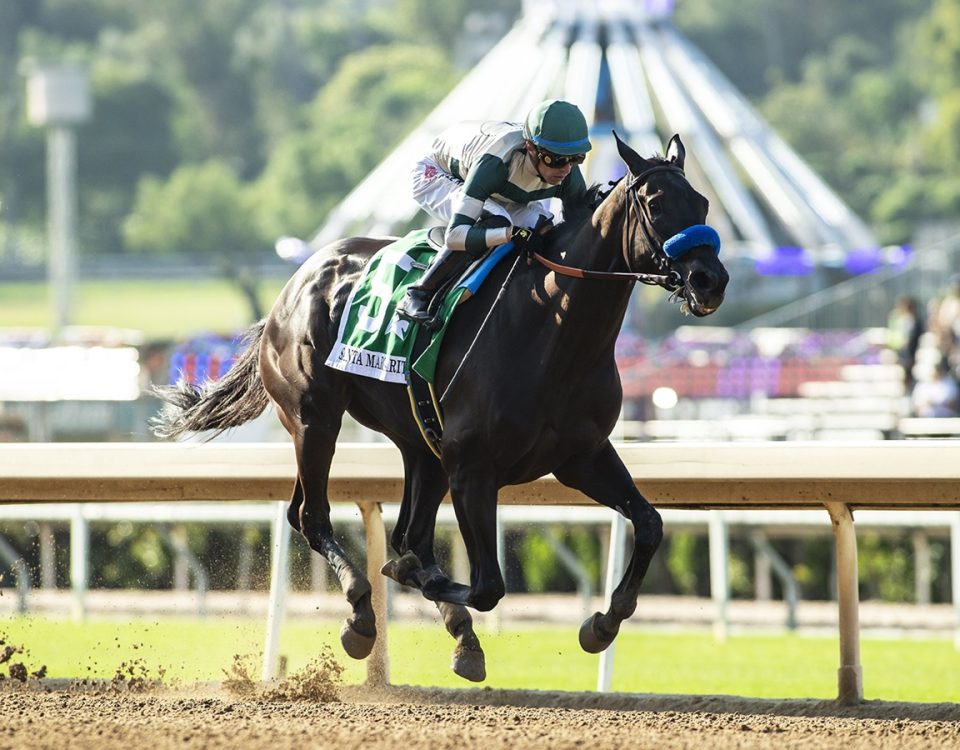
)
(527, 241)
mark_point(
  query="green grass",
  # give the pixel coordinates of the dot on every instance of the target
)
(545, 658)
(167, 309)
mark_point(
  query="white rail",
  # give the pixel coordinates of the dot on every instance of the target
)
(910, 475)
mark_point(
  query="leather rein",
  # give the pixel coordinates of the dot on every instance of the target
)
(669, 280)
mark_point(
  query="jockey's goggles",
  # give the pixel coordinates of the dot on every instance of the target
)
(557, 161)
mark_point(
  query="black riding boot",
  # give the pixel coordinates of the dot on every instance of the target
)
(416, 304)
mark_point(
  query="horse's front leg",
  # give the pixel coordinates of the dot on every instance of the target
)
(474, 492)
(602, 476)
(413, 539)
(475, 504)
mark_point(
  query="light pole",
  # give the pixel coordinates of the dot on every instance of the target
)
(58, 98)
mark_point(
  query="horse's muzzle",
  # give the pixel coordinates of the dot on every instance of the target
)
(703, 290)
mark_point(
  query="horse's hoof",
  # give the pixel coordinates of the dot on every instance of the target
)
(401, 570)
(470, 665)
(590, 640)
(356, 645)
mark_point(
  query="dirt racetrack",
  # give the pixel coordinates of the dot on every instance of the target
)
(398, 717)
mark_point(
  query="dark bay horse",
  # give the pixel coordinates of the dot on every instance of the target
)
(529, 387)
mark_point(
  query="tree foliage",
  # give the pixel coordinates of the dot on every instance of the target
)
(200, 210)
(375, 98)
(279, 108)
(862, 91)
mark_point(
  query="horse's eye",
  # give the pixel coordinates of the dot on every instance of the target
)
(656, 210)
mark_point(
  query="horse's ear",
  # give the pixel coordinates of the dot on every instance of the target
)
(676, 153)
(634, 161)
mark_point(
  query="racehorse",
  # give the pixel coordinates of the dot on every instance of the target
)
(529, 387)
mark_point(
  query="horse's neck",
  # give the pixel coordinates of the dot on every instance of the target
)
(598, 243)
(588, 313)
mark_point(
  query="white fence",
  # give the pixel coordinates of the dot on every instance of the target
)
(914, 475)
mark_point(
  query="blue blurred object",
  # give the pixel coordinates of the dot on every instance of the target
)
(786, 261)
(863, 260)
(205, 357)
(898, 256)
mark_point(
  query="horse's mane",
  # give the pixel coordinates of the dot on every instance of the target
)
(575, 216)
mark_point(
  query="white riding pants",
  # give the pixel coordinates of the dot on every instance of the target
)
(438, 192)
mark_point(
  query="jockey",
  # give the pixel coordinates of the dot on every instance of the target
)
(504, 171)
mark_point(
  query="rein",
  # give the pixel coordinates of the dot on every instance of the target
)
(669, 280)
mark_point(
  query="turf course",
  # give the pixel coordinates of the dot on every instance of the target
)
(189, 650)
(159, 309)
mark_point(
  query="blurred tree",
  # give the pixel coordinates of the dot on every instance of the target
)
(420, 20)
(127, 138)
(78, 20)
(375, 98)
(937, 71)
(886, 568)
(288, 49)
(201, 210)
(760, 43)
(845, 117)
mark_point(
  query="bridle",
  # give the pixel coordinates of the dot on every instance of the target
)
(669, 278)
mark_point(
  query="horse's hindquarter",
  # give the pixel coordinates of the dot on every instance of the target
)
(303, 323)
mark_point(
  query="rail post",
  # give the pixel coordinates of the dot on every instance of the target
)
(79, 561)
(378, 666)
(279, 581)
(615, 561)
(850, 675)
(719, 574)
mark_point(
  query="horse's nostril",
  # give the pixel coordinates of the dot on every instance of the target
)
(703, 280)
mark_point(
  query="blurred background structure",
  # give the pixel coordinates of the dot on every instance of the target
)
(827, 137)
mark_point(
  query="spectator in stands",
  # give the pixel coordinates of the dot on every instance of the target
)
(936, 393)
(905, 326)
(945, 322)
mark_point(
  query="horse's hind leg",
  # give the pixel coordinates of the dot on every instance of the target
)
(603, 477)
(315, 445)
(468, 659)
(475, 503)
(293, 509)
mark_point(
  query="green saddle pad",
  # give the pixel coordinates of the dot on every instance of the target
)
(373, 340)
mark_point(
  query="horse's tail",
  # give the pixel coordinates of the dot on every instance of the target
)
(218, 405)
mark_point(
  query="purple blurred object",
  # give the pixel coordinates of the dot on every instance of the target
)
(785, 261)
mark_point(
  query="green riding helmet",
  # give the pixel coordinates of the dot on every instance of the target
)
(558, 127)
